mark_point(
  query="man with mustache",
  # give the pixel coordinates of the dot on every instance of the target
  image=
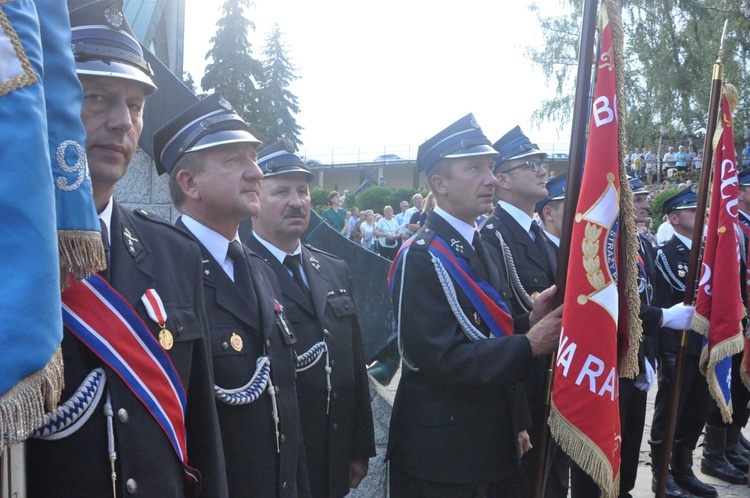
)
(110, 437)
(317, 289)
(215, 182)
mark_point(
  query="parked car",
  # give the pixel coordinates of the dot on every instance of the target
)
(387, 157)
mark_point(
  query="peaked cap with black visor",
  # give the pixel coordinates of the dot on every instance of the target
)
(464, 138)
(207, 123)
(515, 145)
(103, 44)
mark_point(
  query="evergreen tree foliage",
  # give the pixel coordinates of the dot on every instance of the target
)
(233, 70)
(278, 104)
(670, 48)
(189, 82)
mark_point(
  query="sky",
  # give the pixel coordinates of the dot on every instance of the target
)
(383, 77)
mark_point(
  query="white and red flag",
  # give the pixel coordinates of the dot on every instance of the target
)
(584, 411)
(718, 308)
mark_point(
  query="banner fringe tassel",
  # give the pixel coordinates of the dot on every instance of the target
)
(22, 408)
(584, 453)
(721, 351)
(81, 255)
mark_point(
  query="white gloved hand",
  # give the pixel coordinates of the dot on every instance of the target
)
(678, 317)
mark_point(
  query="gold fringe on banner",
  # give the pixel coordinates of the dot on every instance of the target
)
(707, 367)
(81, 255)
(735, 345)
(587, 455)
(22, 408)
(628, 362)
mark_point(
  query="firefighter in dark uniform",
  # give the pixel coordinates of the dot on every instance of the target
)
(530, 261)
(214, 180)
(103, 440)
(551, 210)
(332, 386)
(455, 428)
(669, 288)
(723, 456)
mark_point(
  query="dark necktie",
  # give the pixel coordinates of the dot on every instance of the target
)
(481, 251)
(242, 271)
(293, 263)
(544, 245)
(105, 242)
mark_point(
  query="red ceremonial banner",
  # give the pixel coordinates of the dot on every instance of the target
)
(718, 308)
(584, 415)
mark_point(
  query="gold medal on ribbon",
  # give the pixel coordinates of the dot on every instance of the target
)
(236, 341)
(165, 338)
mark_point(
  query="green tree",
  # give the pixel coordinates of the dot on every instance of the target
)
(670, 46)
(401, 194)
(319, 199)
(278, 104)
(375, 198)
(233, 70)
(189, 82)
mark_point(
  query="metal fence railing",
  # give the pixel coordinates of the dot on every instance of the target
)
(387, 154)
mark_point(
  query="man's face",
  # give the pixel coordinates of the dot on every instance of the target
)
(336, 201)
(229, 185)
(417, 200)
(285, 207)
(523, 183)
(553, 217)
(641, 204)
(404, 206)
(469, 189)
(683, 221)
(743, 196)
(113, 117)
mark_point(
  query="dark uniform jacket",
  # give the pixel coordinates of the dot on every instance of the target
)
(331, 440)
(650, 314)
(454, 420)
(254, 467)
(536, 266)
(146, 253)
(535, 263)
(669, 289)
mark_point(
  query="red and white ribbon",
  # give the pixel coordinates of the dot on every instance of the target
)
(154, 307)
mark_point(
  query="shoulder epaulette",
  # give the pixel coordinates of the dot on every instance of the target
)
(490, 224)
(148, 215)
(422, 239)
(315, 249)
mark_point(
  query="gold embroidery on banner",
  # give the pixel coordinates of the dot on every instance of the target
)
(591, 261)
(28, 76)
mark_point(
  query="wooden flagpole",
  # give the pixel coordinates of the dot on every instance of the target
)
(581, 111)
(694, 261)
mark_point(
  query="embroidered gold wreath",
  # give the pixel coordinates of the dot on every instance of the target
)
(591, 262)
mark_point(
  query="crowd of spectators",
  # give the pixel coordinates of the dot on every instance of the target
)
(384, 233)
(649, 167)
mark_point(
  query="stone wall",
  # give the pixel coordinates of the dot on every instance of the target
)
(142, 187)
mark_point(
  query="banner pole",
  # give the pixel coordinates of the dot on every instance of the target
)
(694, 262)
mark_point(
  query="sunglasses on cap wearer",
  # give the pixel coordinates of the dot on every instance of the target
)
(532, 164)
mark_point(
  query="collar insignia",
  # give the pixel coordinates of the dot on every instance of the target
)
(134, 245)
(314, 263)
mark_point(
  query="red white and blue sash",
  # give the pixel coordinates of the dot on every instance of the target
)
(106, 323)
(483, 297)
